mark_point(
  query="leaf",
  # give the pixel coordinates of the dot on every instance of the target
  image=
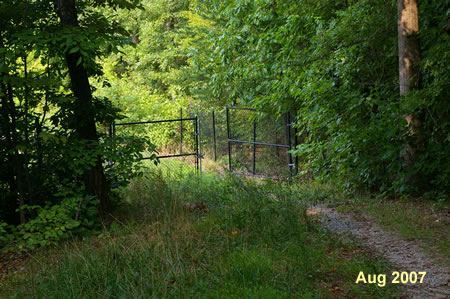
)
(74, 50)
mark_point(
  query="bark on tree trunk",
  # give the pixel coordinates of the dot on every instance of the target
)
(94, 178)
(18, 163)
(409, 59)
(9, 110)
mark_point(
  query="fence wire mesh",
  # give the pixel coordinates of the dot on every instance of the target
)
(213, 139)
(175, 167)
(210, 142)
(260, 143)
(176, 142)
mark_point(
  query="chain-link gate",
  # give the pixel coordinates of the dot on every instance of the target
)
(234, 138)
(265, 137)
(187, 148)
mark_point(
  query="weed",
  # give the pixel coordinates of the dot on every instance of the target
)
(253, 241)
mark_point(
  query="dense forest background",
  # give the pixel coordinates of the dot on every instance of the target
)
(69, 68)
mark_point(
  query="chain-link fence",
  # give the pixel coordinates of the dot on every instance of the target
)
(259, 144)
(176, 141)
(242, 140)
(213, 139)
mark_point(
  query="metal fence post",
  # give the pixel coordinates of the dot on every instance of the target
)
(214, 135)
(181, 130)
(255, 143)
(110, 134)
(254, 148)
(288, 126)
(196, 144)
(200, 156)
(295, 146)
(229, 137)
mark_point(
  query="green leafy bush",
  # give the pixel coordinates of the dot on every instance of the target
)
(52, 223)
(335, 65)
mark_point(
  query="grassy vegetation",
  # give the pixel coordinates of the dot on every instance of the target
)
(425, 221)
(178, 234)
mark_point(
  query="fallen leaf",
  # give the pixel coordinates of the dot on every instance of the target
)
(311, 213)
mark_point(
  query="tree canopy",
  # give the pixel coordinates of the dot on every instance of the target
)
(69, 68)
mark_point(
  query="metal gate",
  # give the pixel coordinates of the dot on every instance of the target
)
(196, 153)
(291, 143)
(252, 141)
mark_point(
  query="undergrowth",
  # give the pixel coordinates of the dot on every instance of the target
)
(182, 235)
(424, 221)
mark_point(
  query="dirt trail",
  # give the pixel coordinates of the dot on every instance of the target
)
(405, 255)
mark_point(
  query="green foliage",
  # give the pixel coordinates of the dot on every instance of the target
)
(158, 248)
(69, 210)
(332, 65)
(124, 155)
(5, 236)
(156, 71)
(51, 224)
(431, 101)
(335, 66)
(44, 160)
(271, 221)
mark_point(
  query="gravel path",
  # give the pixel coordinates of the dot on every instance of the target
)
(405, 255)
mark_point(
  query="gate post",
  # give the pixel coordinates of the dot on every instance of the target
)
(110, 130)
(295, 147)
(214, 135)
(196, 143)
(181, 130)
(254, 147)
(288, 125)
(110, 133)
(229, 137)
(200, 156)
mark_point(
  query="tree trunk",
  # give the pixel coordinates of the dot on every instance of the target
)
(409, 59)
(94, 178)
(12, 140)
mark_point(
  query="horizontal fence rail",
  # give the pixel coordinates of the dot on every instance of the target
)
(156, 121)
(292, 165)
(246, 145)
(242, 108)
(198, 156)
(258, 143)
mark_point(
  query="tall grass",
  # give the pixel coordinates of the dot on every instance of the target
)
(248, 239)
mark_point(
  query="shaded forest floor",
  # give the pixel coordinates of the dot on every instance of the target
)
(177, 234)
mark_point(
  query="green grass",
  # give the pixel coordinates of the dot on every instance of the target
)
(252, 241)
(423, 220)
